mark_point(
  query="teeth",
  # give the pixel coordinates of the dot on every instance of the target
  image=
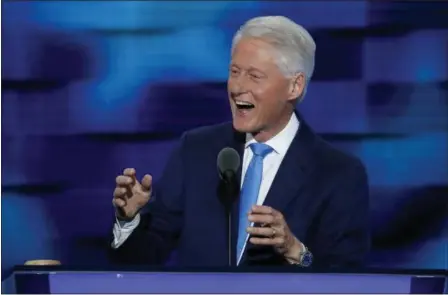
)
(243, 103)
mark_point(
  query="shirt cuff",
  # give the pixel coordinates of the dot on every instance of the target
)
(127, 225)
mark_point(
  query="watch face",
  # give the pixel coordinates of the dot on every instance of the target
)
(307, 259)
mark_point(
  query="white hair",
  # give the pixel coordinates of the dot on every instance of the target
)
(295, 46)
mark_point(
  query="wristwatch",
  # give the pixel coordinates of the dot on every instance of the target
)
(306, 257)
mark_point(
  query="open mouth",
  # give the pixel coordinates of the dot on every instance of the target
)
(243, 105)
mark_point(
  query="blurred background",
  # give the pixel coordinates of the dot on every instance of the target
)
(92, 87)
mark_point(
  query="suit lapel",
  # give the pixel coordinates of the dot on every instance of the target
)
(294, 170)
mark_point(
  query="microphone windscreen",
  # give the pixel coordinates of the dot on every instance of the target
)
(228, 160)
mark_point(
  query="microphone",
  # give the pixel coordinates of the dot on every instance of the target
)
(228, 163)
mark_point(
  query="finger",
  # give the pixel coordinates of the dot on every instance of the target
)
(278, 242)
(263, 231)
(129, 172)
(260, 209)
(118, 203)
(123, 180)
(119, 192)
(261, 218)
(147, 182)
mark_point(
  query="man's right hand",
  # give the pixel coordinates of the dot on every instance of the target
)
(130, 195)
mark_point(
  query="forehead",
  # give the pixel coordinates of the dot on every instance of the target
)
(256, 53)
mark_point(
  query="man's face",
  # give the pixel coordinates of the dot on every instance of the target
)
(261, 97)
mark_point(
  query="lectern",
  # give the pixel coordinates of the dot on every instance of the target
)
(51, 280)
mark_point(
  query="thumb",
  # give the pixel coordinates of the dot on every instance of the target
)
(146, 182)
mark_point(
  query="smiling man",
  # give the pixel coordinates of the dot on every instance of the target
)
(302, 202)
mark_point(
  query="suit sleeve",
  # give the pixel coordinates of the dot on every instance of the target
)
(158, 231)
(343, 234)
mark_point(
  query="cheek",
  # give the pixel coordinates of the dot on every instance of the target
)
(266, 97)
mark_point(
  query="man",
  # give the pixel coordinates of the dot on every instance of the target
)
(302, 202)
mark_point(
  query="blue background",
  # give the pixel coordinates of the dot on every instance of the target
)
(92, 87)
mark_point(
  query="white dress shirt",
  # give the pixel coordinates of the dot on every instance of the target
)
(280, 144)
(271, 163)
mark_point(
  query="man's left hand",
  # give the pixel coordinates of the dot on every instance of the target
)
(273, 231)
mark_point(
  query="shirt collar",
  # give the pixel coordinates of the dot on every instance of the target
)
(280, 142)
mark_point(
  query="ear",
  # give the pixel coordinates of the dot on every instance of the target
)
(297, 86)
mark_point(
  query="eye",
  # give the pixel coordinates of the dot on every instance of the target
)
(255, 76)
(234, 72)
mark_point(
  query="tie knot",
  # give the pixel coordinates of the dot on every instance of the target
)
(261, 149)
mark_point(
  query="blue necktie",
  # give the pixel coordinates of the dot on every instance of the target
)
(250, 190)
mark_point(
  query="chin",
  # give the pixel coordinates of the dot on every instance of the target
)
(244, 127)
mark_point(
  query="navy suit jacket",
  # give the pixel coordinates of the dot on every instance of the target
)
(322, 193)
